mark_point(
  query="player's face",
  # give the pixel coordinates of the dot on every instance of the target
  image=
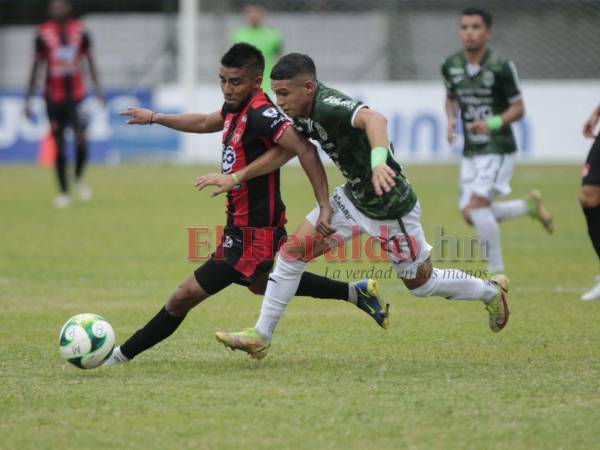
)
(238, 85)
(59, 9)
(294, 96)
(474, 33)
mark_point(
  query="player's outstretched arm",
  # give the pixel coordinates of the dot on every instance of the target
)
(293, 142)
(590, 124)
(375, 125)
(268, 162)
(189, 123)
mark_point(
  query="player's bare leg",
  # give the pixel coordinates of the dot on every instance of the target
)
(589, 198)
(187, 295)
(457, 285)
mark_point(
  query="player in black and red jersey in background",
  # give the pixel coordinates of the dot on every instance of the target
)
(252, 126)
(63, 43)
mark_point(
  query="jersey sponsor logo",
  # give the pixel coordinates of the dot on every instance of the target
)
(277, 121)
(337, 101)
(488, 78)
(271, 112)
(457, 71)
(228, 159)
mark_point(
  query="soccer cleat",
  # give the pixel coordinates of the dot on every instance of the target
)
(116, 357)
(498, 307)
(369, 300)
(83, 191)
(538, 211)
(594, 293)
(62, 201)
(248, 341)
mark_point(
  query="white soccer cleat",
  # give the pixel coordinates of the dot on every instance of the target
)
(116, 357)
(83, 191)
(594, 293)
(62, 201)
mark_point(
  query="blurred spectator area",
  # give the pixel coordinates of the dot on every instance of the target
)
(136, 40)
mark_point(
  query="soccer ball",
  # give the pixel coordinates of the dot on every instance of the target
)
(86, 340)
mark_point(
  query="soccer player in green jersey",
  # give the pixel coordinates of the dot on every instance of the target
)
(267, 40)
(376, 200)
(484, 87)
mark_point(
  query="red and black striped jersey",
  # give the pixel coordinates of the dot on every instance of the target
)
(62, 46)
(247, 134)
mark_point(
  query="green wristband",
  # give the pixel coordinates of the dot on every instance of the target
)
(235, 178)
(378, 156)
(494, 122)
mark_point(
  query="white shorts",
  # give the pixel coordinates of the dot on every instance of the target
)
(402, 242)
(487, 176)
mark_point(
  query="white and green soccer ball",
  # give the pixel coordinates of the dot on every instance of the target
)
(86, 340)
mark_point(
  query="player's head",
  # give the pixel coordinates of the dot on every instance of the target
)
(475, 28)
(254, 15)
(294, 81)
(60, 9)
(241, 74)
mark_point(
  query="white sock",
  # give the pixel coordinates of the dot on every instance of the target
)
(456, 285)
(116, 357)
(484, 221)
(509, 209)
(352, 294)
(283, 284)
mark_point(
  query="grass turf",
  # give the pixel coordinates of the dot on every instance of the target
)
(438, 378)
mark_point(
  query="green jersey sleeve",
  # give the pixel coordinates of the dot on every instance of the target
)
(509, 82)
(337, 112)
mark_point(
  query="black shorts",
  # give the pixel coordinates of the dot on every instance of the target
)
(591, 168)
(241, 257)
(66, 114)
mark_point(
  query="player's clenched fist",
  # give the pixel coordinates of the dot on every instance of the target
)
(139, 116)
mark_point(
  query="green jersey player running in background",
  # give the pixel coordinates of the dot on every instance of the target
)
(376, 200)
(484, 87)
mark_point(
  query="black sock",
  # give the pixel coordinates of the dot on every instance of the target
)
(316, 286)
(592, 216)
(61, 162)
(160, 327)
(80, 159)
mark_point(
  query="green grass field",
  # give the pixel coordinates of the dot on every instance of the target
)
(438, 378)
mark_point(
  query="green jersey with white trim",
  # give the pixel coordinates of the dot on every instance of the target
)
(331, 124)
(483, 91)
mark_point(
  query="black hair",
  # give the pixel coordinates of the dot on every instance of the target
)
(244, 56)
(473, 11)
(292, 65)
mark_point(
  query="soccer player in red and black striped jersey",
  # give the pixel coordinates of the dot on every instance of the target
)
(252, 128)
(63, 43)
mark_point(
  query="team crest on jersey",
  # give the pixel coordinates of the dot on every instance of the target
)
(488, 78)
(271, 112)
(228, 159)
